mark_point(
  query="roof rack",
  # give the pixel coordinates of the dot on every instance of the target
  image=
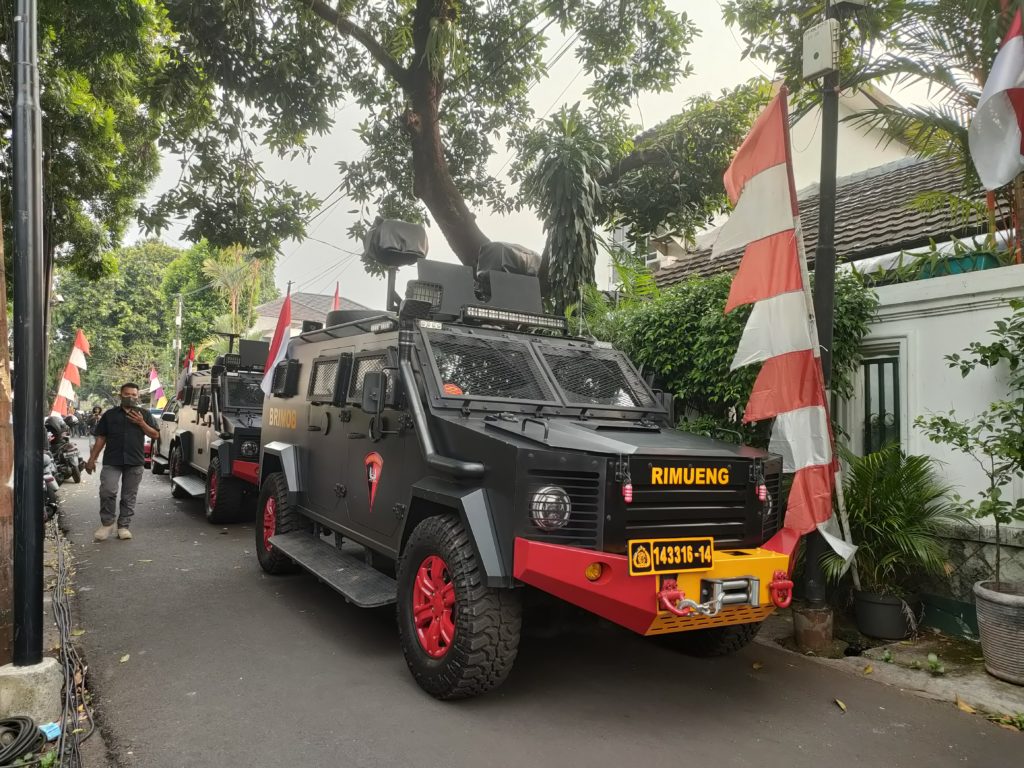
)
(351, 328)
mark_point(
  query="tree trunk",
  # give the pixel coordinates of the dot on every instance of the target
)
(6, 481)
(432, 180)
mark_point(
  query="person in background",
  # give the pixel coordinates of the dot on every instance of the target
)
(90, 422)
(120, 435)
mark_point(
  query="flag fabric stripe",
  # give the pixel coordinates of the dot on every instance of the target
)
(762, 210)
(337, 297)
(769, 267)
(810, 498)
(995, 134)
(71, 374)
(764, 147)
(785, 383)
(66, 390)
(776, 326)
(279, 345)
(77, 359)
(81, 342)
(802, 437)
(60, 406)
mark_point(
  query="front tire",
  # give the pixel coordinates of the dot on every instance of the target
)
(76, 473)
(224, 496)
(716, 641)
(276, 516)
(459, 636)
(177, 469)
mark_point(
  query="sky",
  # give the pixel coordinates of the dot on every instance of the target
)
(314, 265)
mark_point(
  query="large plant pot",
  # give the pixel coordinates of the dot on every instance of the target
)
(882, 616)
(1001, 621)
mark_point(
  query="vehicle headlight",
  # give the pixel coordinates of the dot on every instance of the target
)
(550, 508)
(249, 449)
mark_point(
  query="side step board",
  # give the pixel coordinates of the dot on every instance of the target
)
(358, 582)
(193, 485)
(160, 460)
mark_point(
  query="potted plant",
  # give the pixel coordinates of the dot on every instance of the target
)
(995, 440)
(897, 508)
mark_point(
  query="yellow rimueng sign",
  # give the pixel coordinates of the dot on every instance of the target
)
(689, 475)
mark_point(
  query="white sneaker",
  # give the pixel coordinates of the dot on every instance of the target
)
(124, 533)
(103, 532)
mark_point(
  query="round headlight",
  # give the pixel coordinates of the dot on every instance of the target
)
(550, 508)
(249, 449)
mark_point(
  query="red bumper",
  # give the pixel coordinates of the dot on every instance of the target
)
(247, 471)
(632, 601)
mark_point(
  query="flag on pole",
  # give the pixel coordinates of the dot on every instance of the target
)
(337, 297)
(70, 378)
(781, 333)
(71, 374)
(996, 134)
(66, 390)
(156, 390)
(79, 351)
(279, 344)
(60, 406)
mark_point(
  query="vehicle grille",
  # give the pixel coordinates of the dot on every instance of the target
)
(584, 489)
(774, 516)
(671, 513)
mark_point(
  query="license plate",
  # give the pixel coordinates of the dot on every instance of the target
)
(650, 556)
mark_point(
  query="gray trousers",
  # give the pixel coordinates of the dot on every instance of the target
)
(129, 479)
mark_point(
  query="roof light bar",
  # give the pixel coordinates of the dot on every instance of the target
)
(514, 318)
(383, 326)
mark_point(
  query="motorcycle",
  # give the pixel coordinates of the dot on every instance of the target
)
(51, 498)
(67, 459)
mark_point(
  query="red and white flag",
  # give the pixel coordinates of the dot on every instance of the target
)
(279, 345)
(337, 297)
(996, 134)
(71, 378)
(79, 351)
(780, 333)
(186, 369)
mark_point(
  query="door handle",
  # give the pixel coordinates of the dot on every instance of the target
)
(313, 428)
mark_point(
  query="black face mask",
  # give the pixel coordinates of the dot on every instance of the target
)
(129, 402)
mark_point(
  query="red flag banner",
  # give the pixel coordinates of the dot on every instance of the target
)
(279, 344)
(71, 374)
(81, 342)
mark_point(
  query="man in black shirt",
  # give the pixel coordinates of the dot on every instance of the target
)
(121, 432)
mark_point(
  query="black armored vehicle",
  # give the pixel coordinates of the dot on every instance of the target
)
(462, 447)
(210, 439)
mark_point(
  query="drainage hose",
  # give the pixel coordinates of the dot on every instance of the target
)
(18, 737)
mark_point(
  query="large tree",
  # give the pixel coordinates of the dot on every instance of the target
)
(442, 84)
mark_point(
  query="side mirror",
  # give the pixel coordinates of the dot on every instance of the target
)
(375, 387)
(168, 416)
(203, 406)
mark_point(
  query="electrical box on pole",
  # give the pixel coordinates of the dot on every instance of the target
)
(821, 49)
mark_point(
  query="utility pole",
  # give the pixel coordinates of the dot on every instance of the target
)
(177, 333)
(29, 346)
(824, 286)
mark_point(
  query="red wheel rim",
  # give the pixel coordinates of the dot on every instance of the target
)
(433, 606)
(213, 490)
(269, 521)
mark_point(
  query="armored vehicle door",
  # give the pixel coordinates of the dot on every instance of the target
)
(203, 428)
(168, 425)
(327, 447)
(378, 463)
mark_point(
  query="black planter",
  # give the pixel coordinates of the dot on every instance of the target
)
(882, 616)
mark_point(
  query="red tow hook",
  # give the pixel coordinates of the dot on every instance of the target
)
(669, 595)
(781, 589)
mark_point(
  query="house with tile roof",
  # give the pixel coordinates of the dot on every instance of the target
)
(305, 306)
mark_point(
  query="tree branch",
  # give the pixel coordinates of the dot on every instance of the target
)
(349, 28)
(638, 158)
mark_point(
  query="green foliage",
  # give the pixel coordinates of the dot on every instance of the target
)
(564, 184)
(99, 143)
(442, 83)
(201, 304)
(683, 337)
(897, 507)
(994, 439)
(239, 278)
(125, 316)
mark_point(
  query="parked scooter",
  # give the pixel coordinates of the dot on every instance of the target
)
(66, 456)
(51, 497)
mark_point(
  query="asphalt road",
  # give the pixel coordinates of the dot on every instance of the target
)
(229, 667)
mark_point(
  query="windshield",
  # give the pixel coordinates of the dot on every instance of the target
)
(480, 365)
(243, 392)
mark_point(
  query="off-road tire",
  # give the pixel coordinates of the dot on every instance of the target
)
(156, 467)
(487, 621)
(287, 519)
(176, 468)
(229, 506)
(715, 641)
